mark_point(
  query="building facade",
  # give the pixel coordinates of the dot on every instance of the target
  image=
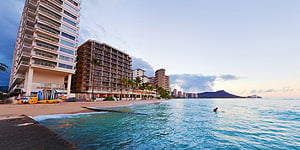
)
(138, 73)
(45, 48)
(115, 64)
(162, 80)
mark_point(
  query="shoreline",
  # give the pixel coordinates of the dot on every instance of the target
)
(9, 110)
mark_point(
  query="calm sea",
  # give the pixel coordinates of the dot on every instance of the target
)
(186, 124)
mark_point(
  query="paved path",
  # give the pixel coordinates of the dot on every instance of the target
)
(22, 132)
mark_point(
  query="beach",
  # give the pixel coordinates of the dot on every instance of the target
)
(7, 110)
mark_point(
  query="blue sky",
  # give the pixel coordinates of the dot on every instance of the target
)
(198, 42)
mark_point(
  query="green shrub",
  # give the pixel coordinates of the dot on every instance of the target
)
(108, 99)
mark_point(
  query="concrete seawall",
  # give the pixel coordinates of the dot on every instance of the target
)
(22, 132)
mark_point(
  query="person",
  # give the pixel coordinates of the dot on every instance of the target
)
(215, 110)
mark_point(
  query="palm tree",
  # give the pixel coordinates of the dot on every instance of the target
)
(123, 82)
(3, 67)
(94, 62)
(132, 84)
(138, 81)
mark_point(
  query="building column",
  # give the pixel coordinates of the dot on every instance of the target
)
(29, 81)
(69, 84)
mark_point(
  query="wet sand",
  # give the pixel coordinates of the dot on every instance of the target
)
(7, 110)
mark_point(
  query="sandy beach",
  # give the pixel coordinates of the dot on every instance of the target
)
(7, 110)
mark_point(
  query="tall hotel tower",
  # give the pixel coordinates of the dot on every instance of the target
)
(115, 64)
(45, 48)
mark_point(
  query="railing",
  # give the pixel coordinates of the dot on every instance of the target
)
(44, 63)
(25, 45)
(47, 38)
(46, 46)
(49, 21)
(51, 5)
(25, 63)
(42, 9)
(48, 29)
(29, 27)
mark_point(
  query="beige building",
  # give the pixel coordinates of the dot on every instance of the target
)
(162, 80)
(45, 48)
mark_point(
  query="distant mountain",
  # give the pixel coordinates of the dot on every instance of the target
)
(218, 94)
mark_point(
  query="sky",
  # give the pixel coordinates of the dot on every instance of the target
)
(244, 47)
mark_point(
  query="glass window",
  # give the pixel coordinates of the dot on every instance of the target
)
(65, 66)
(68, 29)
(65, 58)
(69, 21)
(66, 50)
(67, 43)
(67, 36)
(71, 8)
(70, 15)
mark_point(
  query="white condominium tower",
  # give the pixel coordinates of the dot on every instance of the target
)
(45, 48)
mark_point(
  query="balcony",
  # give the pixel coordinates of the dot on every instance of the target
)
(50, 22)
(47, 38)
(50, 5)
(44, 63)
(46, 46)
(50, 13)
(26, 46)
(48, 30)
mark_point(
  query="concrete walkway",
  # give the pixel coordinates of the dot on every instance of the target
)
(22, 132)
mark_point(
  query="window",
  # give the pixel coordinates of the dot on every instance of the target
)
(65, 66)
(66, 50)
(67, 43)
(73, 2)
(68, 36)
(69, 21)
(65, 58)
(68, 29)
(70, 15)
(71, 8)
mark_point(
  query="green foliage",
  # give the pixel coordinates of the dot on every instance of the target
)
(163, 93)
(108, 99)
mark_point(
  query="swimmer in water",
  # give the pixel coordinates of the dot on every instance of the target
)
(215, 110)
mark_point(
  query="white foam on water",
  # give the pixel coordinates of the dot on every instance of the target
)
(60, 116)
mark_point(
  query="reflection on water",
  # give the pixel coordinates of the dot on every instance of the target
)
(188, 124)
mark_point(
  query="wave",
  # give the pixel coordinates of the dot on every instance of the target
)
(60, 116)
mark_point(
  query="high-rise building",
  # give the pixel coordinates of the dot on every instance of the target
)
(45, 48)
(162, 80)
(138, 73)
(115, 64)
(175, 93)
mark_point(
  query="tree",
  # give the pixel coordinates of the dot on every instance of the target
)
(138, 81)
(94, 62)
(123, 82)
(132, 84)
(3, 67)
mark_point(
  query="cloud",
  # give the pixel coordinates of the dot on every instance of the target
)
(284, 89)
(8, 32)
(227, 77)
(140, 63)
(192, 82)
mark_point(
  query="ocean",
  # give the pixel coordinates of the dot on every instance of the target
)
(185, 124)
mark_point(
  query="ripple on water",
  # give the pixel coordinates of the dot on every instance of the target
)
(188, 124)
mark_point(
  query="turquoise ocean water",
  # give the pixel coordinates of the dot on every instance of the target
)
(186, 124)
